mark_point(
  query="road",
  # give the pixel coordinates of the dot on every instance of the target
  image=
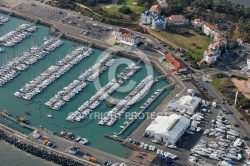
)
(64, 144)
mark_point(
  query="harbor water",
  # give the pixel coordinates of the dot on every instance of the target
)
(89, 127)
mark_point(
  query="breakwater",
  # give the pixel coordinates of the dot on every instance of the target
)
(17, 139)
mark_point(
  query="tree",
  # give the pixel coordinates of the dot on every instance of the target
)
(125, 10)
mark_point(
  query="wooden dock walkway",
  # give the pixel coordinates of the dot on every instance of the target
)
(15, 120)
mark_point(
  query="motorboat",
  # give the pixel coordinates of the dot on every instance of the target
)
(189, 132)
(49, 115)
(83, 141)
(201, 153)
(206, 131)
(172, 146)
(198, 129)
(142, 144)
(214, 156)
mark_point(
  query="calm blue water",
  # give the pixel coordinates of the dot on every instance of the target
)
(92, 131)
(11, 156)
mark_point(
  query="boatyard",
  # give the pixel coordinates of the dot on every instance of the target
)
(28, 89)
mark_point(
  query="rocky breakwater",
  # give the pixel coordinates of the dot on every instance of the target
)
(8, 136)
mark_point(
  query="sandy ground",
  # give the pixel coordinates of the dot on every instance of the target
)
(241, 85)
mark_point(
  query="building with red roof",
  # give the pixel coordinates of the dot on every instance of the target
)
(177, 20)
(176, 63)
(210, 30)
(125, 36)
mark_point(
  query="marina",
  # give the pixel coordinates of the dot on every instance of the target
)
(122, 106)
(29, 57)
(77, 85)
(150, 100)
(102, 94)
(36, 85)
(13, 37)
(58, 123)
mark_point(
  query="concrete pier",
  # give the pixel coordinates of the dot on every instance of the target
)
(142, 110)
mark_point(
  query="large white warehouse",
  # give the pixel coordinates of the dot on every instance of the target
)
(189, 103)
(168, 129)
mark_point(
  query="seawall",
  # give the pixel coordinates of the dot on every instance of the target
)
(19, 140)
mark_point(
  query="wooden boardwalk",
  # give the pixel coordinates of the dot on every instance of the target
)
(15, 120)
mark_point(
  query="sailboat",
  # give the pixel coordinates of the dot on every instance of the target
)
(49, 115)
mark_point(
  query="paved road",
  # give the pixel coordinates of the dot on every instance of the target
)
(64, 144)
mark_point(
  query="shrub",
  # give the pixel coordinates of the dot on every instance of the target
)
(236, 125)
(125, 10)
(239, 77)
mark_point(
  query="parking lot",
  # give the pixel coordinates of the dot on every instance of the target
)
(188, 141)
(40, 10)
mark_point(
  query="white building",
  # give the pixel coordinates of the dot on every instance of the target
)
(189, 103)
(177, 20)
(248, 63)
(248, 83)
(168, 128)
(146, 17)
(210, 30)
(214, 49)
(125, 36)
(159, 23)
(152, 16)
(197, 23)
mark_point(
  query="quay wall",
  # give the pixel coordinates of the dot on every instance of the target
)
(20, 141)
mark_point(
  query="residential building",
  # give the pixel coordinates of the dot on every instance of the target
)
(163, 3)
(159, 22)
(168, 129)
(155, 10)
(146, 17)
(125, 36)
(247, 67)
(210, 30)
(176, 63)
(248, 63)
(214, 49)
(197, 23)
(188, 103)
(248, 83)
(177, 20)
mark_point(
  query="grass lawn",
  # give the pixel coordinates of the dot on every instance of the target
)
(129, 3)
(188, 38)
(216, 82)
